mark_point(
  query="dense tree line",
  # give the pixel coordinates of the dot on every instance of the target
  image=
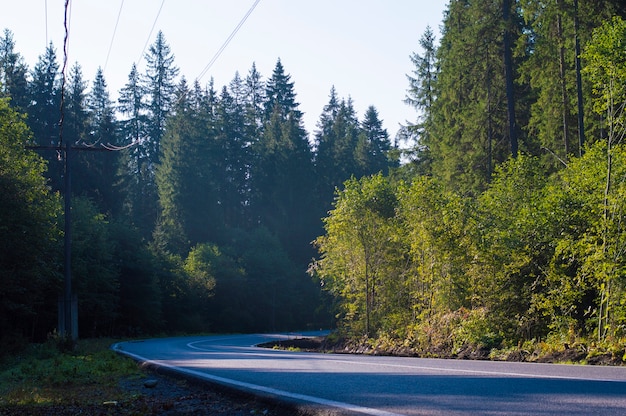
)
(193, 207)
(506, 226)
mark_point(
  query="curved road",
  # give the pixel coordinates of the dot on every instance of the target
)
(386, 386)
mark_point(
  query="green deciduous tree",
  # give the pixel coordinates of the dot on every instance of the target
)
(29, 255)
(355, 253)
(606, 70)
(513, 246)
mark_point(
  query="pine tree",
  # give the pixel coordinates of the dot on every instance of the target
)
(550, 73)
(336, 146)
(159, 86)
(43, 111)
(187, 182)
(234, 145)
(75, 130)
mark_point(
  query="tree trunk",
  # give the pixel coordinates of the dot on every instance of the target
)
(508, 73)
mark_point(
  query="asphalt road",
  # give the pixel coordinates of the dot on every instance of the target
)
(385, 386)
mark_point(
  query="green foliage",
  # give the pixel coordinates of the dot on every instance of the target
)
(533, 257)
(469, 116)
(606, 69)
(220, 193)
(513, 245)
(28, 214)
(358, 250)
(44, 375)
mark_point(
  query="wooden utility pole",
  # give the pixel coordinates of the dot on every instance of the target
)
(68, 302)
(68, 327)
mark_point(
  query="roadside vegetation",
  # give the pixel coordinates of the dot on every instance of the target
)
(497, 230)
(91, 379)
(48, 375)
(525, 256)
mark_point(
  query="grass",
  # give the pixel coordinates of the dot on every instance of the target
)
(44, 375)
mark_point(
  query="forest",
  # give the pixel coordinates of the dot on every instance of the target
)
(197, 208)
(193, 207)
(504, 231)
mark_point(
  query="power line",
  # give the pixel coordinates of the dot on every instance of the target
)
(150, 34)
(46, 20)
(225, 44)
(66, 25)
(113, 37)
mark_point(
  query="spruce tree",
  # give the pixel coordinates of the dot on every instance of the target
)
(373, 146)
(421, 95)
(102, 134)
(255, 100)
(280, 95)
(13, 73)
(134, 173)
(160, 87)
(470, 114)
(187, 179)
(282, 171)
(44, 111)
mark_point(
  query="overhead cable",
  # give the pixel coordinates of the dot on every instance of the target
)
(113, 37)
(225, 44)
(66, 39)
(150, 34)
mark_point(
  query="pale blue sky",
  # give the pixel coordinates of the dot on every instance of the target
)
(361, 47)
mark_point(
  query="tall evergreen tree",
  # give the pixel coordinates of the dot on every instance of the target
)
(13, 73)
(470, 113)
(188, 194)
(234, 146)
(550, 71)
(255, 100)
(44, 110)
(75, 131)
(373, 146)
(102, 133)
(336, 143)
(282, 172)
(552, 118)
(160, 86)
(44, 107)
(421, 95)
(280, 95)
(134, 172)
